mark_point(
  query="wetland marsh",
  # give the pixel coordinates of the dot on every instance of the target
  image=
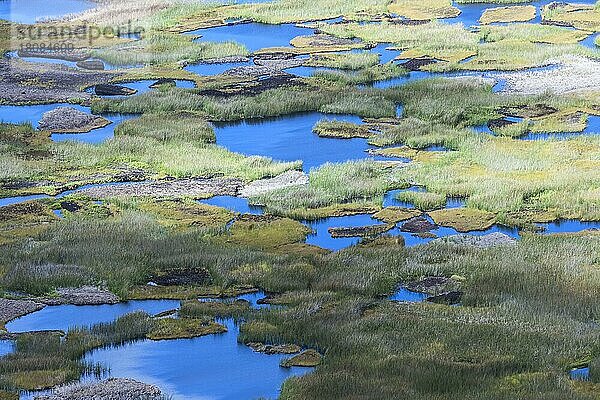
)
(299, 200)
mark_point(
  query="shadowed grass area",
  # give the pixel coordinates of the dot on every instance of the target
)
(270, 103)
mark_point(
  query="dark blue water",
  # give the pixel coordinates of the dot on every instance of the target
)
(209, 367)
(237, 204)
(290, 138)
(580, 374)
(408, 296)
(254, 36)
(30, 11)
(565, 226)
(69, 316)
(6, 347)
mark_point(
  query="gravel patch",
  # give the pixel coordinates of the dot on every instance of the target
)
(26, 82)
(199, 188)
(573, 75)
(12, 309)
(287, 179)
(86, 295)
(110, 389)
(485, 241)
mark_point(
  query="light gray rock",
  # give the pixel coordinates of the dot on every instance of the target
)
(287, 179)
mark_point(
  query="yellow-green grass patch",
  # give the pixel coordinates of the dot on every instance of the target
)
(464, 219)
(508, 14)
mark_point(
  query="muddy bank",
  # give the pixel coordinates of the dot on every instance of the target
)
(196, 187)
(23, 82)
(110, 389)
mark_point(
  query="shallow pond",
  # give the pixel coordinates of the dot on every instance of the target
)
(592, 128)
(254, 36)
(290, 138)
(470, 13)
(6, 347)
(69, 316)
(209, 367)
(30, 11)
(408, 296)
(580, 374)
(33, 114)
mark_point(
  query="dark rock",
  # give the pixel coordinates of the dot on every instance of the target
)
(106, 89)
(46, 82)
(527, 111)
(418, 225)
(164, 81)
(94, 65)
(449, 298)
(70, 206)
(361, 231)
(499, 123)
(182, 277)
(415, 64)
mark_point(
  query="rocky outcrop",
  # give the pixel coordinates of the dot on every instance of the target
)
(70, 120)
(106, 89)
(73, 55)
(110, 389)
(449, 298)
(287, 179)
(418, 225)
(308, 358)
